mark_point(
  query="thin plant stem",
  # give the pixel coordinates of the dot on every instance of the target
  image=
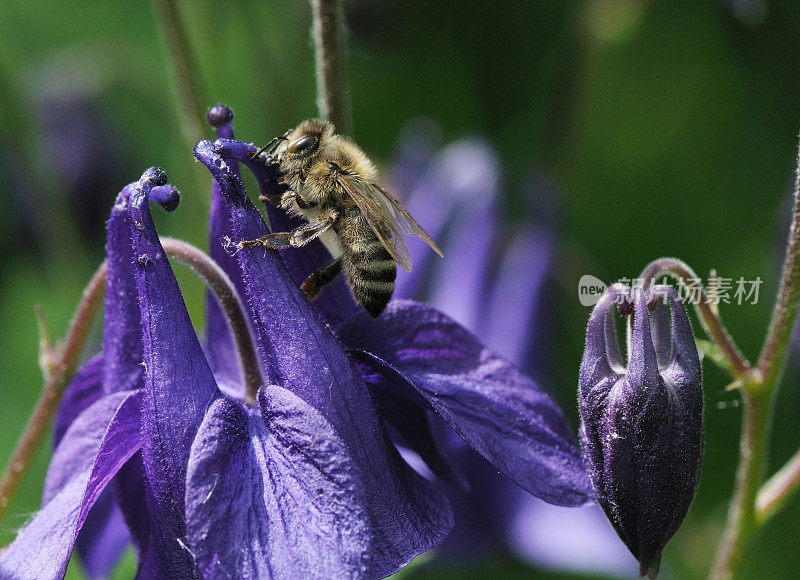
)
(773, 355)
(185, 70)
(62, 371)
(219, 283)
(759, 394)
(708, 315)
(741, 522)
(63, 365)
(778, 489)
(333, 100)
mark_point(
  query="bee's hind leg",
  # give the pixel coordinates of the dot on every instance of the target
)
(296, 238)
(274, 199)
(316, 281)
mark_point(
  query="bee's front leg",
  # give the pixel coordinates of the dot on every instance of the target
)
(286, 199)
(296, 238)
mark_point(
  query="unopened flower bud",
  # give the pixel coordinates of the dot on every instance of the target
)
(642, 426)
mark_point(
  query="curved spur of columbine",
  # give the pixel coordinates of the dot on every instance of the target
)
(415, 353)
(641, 427)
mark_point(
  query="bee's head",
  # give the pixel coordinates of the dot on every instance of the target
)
(304, 141)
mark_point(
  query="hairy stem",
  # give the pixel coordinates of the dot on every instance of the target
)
(741, 523)
(708, 315)
(62, 371)
(185, 70)
(773, 355)
(778, 489)
(333, 100)
(743, 517)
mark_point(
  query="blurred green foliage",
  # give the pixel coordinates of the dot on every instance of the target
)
(670, 128)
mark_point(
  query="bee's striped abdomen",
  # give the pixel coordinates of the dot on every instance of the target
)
(370, 271)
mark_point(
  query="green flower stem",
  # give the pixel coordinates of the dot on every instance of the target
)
(184, 68)
(742, 521)
(708, 315)
(744, 514)
(777, 490)
(61, 366)
(62, 371)
(333, 100)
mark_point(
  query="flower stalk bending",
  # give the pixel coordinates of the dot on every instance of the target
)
(66, 363)
(59, 376)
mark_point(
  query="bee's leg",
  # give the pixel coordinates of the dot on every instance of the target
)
(285, 199)
(296, 238)
(316, 281)
(302, 203)
(273, 198)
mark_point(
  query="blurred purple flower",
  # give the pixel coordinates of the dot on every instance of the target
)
(496, 281)
(302, 482)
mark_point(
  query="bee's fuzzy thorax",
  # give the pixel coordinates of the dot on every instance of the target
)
(349, 157)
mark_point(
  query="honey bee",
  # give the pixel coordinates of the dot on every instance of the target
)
(334, 187)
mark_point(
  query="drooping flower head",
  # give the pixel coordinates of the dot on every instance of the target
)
(642, 425)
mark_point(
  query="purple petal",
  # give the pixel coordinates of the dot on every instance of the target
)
(104, 536)
(122, 327)
(94, 448)
(410, 422)
(124, 368)
(179, 385)
(468, 261)
(219, 341)
(83, 390)
(498, 411)
(138, 508)
(513, 323)
(299, 352)
(275, 495)
(335, 301)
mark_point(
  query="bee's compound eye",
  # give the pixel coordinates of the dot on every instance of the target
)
(302, 144)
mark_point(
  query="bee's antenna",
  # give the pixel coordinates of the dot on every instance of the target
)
(273, 144)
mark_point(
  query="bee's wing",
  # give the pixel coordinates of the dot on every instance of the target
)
(381, 216)
(407, 223)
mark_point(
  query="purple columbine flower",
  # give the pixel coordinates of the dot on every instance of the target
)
(302, 479)
(642, 426)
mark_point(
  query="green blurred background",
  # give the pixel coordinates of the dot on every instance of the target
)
(670, 128)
